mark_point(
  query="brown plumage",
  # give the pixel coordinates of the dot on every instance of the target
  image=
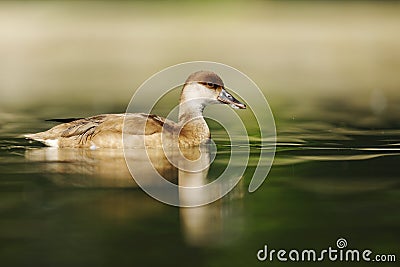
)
(200, 89)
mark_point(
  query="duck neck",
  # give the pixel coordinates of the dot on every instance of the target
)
(193, 128)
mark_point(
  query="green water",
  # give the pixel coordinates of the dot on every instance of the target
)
(330, 179)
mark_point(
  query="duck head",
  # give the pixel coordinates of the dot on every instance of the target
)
(208, 88)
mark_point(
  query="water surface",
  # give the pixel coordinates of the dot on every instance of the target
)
(331, 178)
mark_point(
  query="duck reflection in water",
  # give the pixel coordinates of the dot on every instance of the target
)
(106, 168)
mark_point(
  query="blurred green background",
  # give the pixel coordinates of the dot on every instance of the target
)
(61, 52)
(329, 70)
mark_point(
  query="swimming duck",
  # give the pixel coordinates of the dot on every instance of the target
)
(200, 89)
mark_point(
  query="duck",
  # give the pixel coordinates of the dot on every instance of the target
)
(130, 130)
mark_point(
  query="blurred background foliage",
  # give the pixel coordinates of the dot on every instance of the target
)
(92, 52)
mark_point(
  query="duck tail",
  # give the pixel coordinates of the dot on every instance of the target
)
(39, 137)
(33, 136)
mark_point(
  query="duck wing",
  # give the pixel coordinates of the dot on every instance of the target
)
(83, 130)
(146, 124)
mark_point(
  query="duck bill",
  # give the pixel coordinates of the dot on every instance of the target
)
(226, 98)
